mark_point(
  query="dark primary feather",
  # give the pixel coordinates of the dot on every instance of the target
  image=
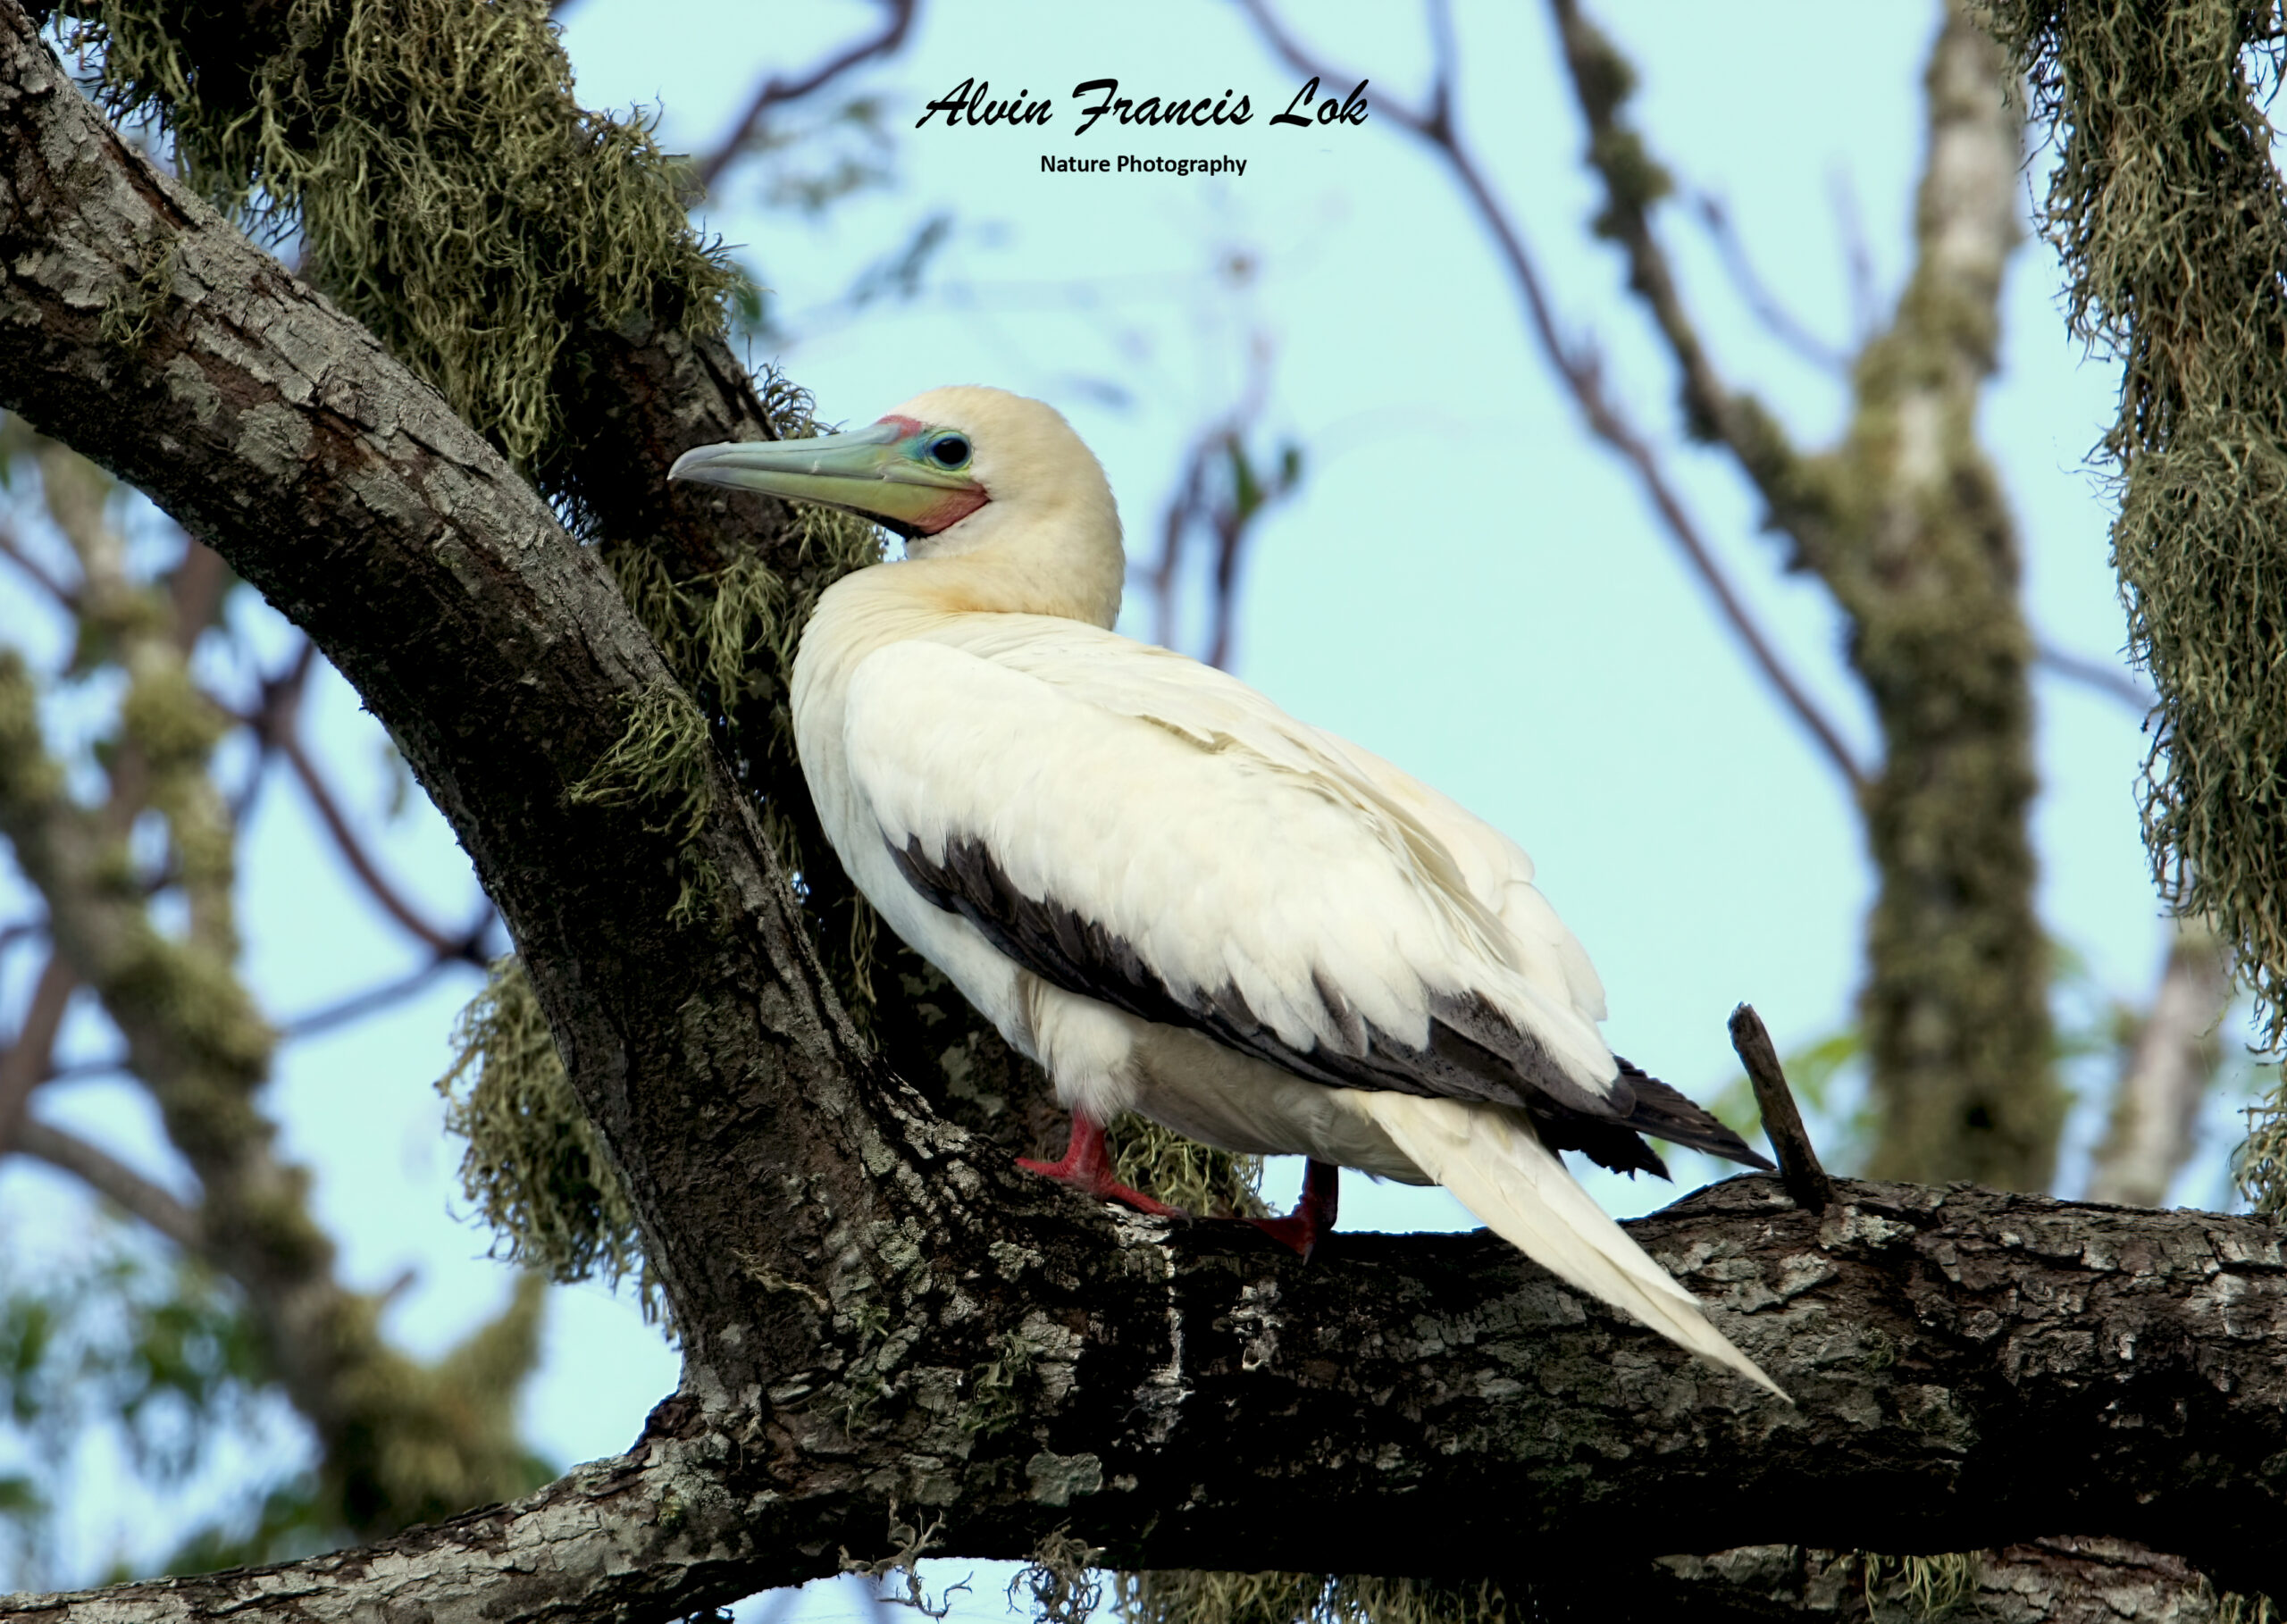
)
(1664, 1113)
(1474, 1052)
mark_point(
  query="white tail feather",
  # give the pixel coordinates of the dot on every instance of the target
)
(1497, 1169)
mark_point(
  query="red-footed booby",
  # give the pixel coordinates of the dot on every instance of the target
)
(1176, 898)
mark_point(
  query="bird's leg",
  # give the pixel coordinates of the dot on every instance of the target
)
(1313, 1215)
(1087, 1166)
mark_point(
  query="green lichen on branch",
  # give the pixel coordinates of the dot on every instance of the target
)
(661, 766)
(1182, 1172)
(728, 636)
(2259, 1166)
(1923, 1588)
(534, 1165)
(441, 179)
(2171, 220)
(1179, 1596)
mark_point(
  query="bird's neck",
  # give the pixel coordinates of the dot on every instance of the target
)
(992, 583)
(1071, 571)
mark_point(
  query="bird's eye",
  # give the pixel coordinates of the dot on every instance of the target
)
(949, 452)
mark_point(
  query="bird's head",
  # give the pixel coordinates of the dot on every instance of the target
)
(960, 472)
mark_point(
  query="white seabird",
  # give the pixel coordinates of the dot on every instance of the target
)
(1176, 898)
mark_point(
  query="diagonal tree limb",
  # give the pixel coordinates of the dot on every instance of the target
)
(1578, 366)
(27, 1060)
(1711, 410)
(114, 1180)
(897, 21)
(13, 550)
(399, 1441)
(347, 842)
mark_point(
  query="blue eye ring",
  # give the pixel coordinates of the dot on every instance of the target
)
(949, 450)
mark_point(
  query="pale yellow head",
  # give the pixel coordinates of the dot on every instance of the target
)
(1001, 504)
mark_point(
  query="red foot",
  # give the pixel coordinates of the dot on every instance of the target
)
(1086, 1166)
(1313, 1215)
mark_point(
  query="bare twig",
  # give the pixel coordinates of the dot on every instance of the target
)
(112, 1179)
(25, 1062)
(1755, 293)
(442, 943)
(2106, 679)
(1798, 1165)
(358, 1005)
(13, 550)
(1226, 512)
(2167, 1071)
(897, 20)
(1858, 257)
(1579, 367)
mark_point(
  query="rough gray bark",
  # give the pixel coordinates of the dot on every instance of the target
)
(881, 1323)
(2046, 1581)
(1970, 1367)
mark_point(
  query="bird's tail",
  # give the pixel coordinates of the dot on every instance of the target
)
(1490, 1161)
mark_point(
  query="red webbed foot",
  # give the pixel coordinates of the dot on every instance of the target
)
(1313, 1215)
(1086, 1166)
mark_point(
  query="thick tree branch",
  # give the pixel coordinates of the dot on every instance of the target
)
(400, 1442)
(2048, 1581)
(646, 1536)
(1971, 1366)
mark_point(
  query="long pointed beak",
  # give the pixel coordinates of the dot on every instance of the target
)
(869, 470)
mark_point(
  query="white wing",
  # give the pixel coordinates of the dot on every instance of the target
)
(1216, 709)
(1255, 869)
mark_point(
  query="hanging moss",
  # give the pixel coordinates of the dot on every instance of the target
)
(1179, 1596)
(729, 639)
(2171, 224)
(1203, 1181)
(2260, 1167)
(534, 1166)
(439, 178)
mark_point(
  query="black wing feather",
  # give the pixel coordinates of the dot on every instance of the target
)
(1474, 1052)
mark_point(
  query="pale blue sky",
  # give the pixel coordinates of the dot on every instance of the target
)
(1467, 585)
